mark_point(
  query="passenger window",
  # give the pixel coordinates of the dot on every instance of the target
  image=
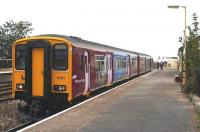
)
(20, 57)
(100, 63)
(60, 57)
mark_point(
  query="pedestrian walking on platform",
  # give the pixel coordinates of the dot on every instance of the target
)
(157, 65)
(161, 65)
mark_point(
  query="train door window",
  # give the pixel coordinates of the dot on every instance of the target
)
(81, 63)
(60, 57)
(131, 62)
(117, 62)
(133, 65)
(100, 63)
(134, 62)
(123, 62)
(20, 57)
(85, 62)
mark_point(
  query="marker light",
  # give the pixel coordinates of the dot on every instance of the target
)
(59, 87)
(20, 86)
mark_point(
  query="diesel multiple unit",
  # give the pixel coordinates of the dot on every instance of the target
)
(56, 69)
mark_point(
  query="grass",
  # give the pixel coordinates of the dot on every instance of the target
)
(198, 120)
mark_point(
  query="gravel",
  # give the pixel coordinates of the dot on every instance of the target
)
(9, 116)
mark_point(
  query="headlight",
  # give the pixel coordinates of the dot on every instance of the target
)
(59, 88)
(20, 86)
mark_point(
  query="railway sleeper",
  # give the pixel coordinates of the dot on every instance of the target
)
(5, 88)
(6, 92)
(8, 81)
(5, 98)
(5, 85)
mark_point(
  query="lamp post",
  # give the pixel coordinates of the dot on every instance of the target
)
(185, 42)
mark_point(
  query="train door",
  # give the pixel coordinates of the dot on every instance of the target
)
(109, 68)
(146, 64)
(87, 72)
(37, 72)
(151, 64)
(128, 65)
(38, 68)
(138, 65)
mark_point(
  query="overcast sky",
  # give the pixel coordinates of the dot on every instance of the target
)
(146, 26)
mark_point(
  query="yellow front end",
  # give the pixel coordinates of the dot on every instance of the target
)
(42, 67)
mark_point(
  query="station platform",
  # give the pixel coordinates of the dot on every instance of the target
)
(150, 103)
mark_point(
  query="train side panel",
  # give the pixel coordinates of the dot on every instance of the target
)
(100, 69)
(138, 64)
(134, 65)
(96, 70)
(152, 64)
(146, 64)
(142, 64)
(120, 67)
(78, 72)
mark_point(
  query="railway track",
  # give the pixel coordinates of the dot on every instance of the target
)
(21, 126)
(5, 90)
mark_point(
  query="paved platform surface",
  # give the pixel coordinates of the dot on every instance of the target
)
(152, 103)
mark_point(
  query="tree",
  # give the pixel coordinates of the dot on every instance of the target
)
(193, 58)
(195, 24)
(11, 31)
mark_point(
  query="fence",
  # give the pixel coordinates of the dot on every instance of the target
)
(5, 63)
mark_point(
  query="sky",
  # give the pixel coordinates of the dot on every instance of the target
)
(139, 25)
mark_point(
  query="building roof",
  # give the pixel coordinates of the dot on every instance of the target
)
(171, 57)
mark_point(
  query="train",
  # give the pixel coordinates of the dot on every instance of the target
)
(54, 69)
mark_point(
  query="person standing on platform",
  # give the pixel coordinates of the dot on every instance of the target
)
(161, 65)
(157, 65)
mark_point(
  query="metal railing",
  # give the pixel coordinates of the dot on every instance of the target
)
(5, 63)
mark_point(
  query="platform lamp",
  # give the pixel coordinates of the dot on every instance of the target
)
(185, 42)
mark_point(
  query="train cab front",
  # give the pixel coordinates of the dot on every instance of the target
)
(42, 70)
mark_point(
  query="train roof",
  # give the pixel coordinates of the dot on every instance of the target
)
(76, 41)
